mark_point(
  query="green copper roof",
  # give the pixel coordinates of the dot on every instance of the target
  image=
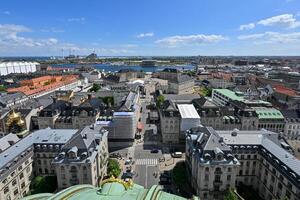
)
(233, 96)
(230, 94)
(109, 191)
(268, 113)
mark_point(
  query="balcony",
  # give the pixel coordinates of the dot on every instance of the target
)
(218, 182)
(218, 172)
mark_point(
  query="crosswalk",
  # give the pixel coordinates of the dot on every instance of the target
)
(146, 161)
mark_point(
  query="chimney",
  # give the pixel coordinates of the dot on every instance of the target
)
(54, 99)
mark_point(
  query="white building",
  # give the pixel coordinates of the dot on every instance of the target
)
(189, 116)
(17, 67)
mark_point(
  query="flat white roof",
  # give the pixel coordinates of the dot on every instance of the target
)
(188, 111)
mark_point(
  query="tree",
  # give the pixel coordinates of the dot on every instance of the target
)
(108, 100)
(160, 100)
(113, 168)
(230, 195)
(179, 174)
(2, 88)
(43, 184)
(95, 88)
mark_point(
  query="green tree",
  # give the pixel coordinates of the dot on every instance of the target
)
(2, 88)
(160, 100)
(113, 168)
(43, 184)
(95, 88)
(230, 195)
(179, 174)
(108, 100)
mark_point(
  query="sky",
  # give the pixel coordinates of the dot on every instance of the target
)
(150, 27)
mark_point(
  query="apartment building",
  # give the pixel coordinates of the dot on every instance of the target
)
(40, 154)
(292, 124)
(225, 117)
(211, 166)
(62, 114)
(259, 159)
(83, 159)
(178, 83)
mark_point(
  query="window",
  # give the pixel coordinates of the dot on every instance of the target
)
(6, 189)
(279, 186)
(28, 169)
(228, 177)
(16, 192)
(206, 178)
(281, 178)
(288, 194)
(14, 182)
(23, 185)
(21, 175)
(229, 169)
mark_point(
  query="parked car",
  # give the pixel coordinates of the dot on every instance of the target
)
(177, 155)
(154, 151)
(127, 162)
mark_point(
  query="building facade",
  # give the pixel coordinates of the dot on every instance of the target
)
(264, 162)
(39, 154)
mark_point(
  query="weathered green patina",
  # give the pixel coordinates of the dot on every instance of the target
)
(109, 191)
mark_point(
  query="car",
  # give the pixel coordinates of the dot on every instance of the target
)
(154, 151)
(127, 175)
(127, 162)
(177, 155)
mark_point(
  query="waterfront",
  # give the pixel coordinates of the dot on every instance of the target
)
(115, 68)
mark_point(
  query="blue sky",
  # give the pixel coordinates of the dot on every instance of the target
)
(150, 27)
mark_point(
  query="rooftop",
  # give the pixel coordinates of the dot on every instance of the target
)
(284, 90)
(188, 111)
(43, 136)
(113, 189)
(268, 113)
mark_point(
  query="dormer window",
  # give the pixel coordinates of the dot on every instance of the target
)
(72, 153)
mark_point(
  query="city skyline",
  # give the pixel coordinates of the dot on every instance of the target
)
(168, 28)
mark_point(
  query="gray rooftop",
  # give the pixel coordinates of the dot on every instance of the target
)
(7, 141)
(44, 136)
(266, 139)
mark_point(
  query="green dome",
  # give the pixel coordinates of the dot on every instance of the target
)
(109, 191)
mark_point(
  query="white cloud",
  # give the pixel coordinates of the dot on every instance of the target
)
(9, 37)
(52, 30)
(13, 43)
(284, 20)
(76, 19)
(272, 37)
(251, 36)
(174, 41)
(6, 12)
(287, 20)
(142, 35)
(247, 26)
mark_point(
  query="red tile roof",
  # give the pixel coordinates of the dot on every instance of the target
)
(284, 90)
